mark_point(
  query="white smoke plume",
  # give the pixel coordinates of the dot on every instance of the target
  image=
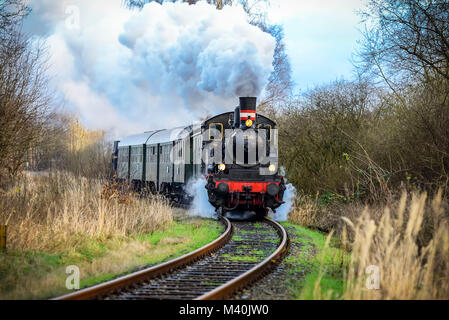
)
(167, 65)
(284, 210)
(200, 206)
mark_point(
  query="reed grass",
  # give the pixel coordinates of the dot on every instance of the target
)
(412, 256)
(55, 211)
(405, 244)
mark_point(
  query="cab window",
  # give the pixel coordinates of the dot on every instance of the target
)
(215, 131)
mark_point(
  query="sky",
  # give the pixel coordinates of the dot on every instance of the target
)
(128, 71)
(320, 36)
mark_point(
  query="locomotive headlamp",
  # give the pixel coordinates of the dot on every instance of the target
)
(221, 167)
(249, 123)
(272, 168)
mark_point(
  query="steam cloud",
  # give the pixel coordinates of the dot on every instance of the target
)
(128, 71)
(284, 210)
(200, 206)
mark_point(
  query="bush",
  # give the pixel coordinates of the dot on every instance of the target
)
(356, 141)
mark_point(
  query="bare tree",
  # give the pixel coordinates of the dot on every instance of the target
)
(140, 3)
(280, 84)
(406, 44)
(11, 13)
(408, 38)
(24, 98)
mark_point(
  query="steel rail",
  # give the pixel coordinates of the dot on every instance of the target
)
(254, 273)
(151, 272)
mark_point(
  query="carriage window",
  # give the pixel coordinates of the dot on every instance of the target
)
(160, 150)
(268, 128)
(215, 131)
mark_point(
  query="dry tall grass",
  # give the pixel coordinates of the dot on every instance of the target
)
(407, 240)
(56, 211)
(309, 213)
(409, 245)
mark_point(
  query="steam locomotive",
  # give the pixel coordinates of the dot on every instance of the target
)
(235, 153)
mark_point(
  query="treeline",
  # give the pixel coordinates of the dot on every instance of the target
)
(73, 148)
(388, 129)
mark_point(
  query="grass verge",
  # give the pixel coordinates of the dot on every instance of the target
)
(39, 275)
(315, 265)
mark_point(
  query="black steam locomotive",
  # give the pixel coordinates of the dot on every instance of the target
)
(234, 152)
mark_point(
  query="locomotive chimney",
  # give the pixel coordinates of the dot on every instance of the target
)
(247, 111)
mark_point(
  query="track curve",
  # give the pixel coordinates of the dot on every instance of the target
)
(254, 273)
(227, 264)
(151, 272)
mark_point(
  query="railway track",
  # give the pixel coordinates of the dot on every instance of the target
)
(241, 255)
